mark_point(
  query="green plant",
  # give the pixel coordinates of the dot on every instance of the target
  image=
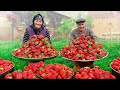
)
(89, 20)
(66, 26)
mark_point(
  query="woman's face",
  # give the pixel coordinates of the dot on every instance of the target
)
(38, 23)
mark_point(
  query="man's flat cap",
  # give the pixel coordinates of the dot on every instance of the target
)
(81, 20)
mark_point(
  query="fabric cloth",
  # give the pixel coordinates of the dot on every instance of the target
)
(30, 31)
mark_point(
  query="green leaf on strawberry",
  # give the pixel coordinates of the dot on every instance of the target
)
(79, 55)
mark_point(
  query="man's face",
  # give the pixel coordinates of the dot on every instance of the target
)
(38, 23)
(81, 26)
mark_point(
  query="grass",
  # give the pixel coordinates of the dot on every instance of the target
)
(112, 46)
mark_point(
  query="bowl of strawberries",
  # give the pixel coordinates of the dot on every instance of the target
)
(6, 67)
(35, 49)
(83, 49)
(115, 66)
(56, 71)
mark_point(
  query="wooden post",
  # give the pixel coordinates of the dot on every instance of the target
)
(12, 30)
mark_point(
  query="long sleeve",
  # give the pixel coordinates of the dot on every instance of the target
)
(72, 36)
(26, 36)
(48, 35)
(94, 37)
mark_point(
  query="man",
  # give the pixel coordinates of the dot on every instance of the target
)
(81, 29)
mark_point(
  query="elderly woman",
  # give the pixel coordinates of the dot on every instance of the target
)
(37, 28)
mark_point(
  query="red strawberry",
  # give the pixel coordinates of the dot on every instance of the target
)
(14, 74)
(43, 75)
(100, 46)
(6, 68)
(84, 75)
(113, 77)
(49, 75)
(115, 67)
(7, 62)
(87, 69)
(1, 71)
(118, 59)
(59, 77)
(63, 74)
(107, 75)
(9, 76)
(91, 75)
(81, 70)
(96, 74)
(24, 74)
(54, 76)
(2, 68)
(116, 63)
(2, 62)
(19, 76)
(69, 74)
(77, 76)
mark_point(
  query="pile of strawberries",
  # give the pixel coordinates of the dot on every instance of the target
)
(5, 65)
(29, 72)
(94, 73)
(83, 48)
(116, 64)
(35, 67)
(39, 70)
(19, 74)
(56, 71)
(36, 47)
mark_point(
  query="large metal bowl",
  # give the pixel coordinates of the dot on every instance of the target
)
(85, 60)
(114, 72)
(35, 59)
(5, 73)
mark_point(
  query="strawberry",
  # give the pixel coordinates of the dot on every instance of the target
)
(91, 75)
(118, 58)
(115, 67)
(54, 76)
(7, 62)
(96, 74)
(59, 77)
(100, 46)
(1, 68)
(2, 62)
(8, 76)
(112, 77)
(87, 69)
(77, 76)
(19, 76)
(43, 76)
(116, 63)
(81, 70)
(84, 75)
(63, 74)
(75, 57)
(6, 68)
(107, 75)
(49, 75)
(14, 74)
